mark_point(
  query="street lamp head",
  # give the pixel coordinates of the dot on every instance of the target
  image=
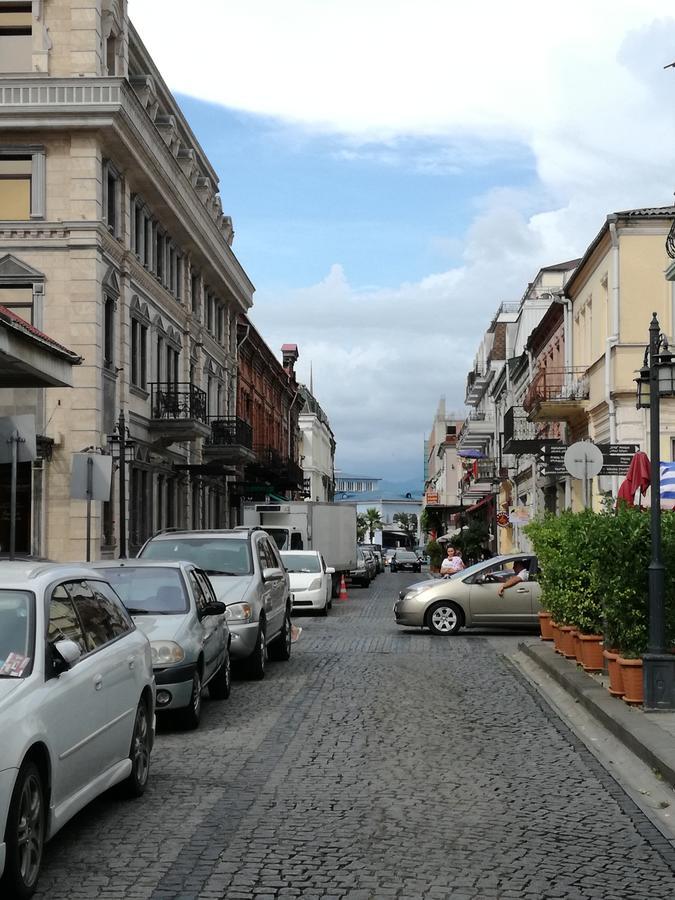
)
(642, 388)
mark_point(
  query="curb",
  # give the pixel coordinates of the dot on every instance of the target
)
(647, 741)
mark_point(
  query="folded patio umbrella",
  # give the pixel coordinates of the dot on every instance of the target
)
(638, 478)
(471, 454)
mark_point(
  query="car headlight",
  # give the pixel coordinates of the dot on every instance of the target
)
(315, 585)
(409, 595)
(239, 612)
(166, 653)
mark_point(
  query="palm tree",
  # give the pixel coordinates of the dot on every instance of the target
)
(408, 522)
(361, 527)
(373, 521)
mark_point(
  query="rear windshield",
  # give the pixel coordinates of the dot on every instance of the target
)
(301, 562)
(17, 639)
(218, 556)
(158, 591)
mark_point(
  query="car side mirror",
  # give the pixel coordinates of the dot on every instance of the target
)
(272, 574)
(330, 570)
(66, 654)
(217, 608)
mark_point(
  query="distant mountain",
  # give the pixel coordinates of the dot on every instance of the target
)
(412, 485)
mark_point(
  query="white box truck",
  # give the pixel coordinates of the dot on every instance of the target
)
(308, 525)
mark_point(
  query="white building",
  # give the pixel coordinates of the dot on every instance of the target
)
(317, 449)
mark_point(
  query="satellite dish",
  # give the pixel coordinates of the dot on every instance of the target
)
(583, 460)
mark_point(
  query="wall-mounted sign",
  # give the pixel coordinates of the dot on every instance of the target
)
(503, 520)
(431, 497)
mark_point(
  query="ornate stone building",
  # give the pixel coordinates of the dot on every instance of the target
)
(114, 241)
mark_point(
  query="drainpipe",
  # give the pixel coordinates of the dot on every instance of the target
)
(612, 341)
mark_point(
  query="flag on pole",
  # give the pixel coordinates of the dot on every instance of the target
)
(668, 485)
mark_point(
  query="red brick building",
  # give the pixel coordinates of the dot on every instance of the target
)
(268, 400)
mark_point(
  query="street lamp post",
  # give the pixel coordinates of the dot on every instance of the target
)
(656, 380)
(123, 450)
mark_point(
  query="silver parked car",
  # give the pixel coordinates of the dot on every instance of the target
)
(248, 576)
(470, 598)
(173, 603)
(77, 707)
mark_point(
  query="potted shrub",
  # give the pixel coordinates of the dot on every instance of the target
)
(435, 554)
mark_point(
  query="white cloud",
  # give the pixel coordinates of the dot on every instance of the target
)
(580, 86)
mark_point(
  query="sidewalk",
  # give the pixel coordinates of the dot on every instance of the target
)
(650, 736)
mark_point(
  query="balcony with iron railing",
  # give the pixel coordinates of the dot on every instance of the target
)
(520, 435)
(178, 412)
(230, 441)
(557, 395)
(282, 473)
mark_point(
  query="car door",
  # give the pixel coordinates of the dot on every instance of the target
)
(205, 625)
(214, 628)
(488, 608)
(74, 708)
(111, 635)
(274, 590)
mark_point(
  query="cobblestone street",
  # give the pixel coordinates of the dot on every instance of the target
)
(379, 762)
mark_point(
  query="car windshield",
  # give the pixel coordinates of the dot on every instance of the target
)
(217, 556)
(405, 556)
(301, 562)
(17, 639)
(483, 566)
(149, 590)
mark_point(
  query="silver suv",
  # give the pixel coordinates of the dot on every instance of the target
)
(247, 575)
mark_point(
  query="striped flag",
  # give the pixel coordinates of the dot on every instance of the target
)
(668, 485)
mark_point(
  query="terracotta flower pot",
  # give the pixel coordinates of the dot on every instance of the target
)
(577, 647)
(567, 641)
(545, 626)
(631, 672)
(615, 675)
(556, 636)
(591, 652)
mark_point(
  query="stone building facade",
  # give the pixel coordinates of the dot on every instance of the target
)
(317, 449)
(113, 240)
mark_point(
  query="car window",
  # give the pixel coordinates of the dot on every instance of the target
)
(17, 633)
(101, 620)
(153, 589)
(265, 555)
(217, 556)
(122, 622)
(201, 598)
(207, 587)
(64, 623)
(301, 562)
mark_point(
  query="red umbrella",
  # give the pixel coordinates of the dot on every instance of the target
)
(638, 478)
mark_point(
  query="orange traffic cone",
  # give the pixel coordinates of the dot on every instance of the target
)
(343, 589)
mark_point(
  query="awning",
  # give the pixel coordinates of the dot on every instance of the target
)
(480, 503)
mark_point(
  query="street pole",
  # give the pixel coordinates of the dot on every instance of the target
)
(659, 666)
(15, 440)
(90, 481)
(122, 428)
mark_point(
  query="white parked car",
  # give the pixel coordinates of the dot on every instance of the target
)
(77, 706)
(310, 579)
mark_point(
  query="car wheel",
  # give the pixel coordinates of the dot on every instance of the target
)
(280, 648)
(444, 618)
(25, 833)
(139, 753)
(324, 609)
(329, 605)
(255, 664)
(221, 683)
(366, 582)
(191, 715)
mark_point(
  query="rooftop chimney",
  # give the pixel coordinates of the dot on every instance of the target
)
(290, 355)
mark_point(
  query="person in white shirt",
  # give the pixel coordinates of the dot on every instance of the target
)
(520, 573)
(452, 562)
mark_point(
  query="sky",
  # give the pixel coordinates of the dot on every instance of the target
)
(395, 169)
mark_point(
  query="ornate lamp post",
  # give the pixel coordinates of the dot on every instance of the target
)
(122, 449)
(656, 380)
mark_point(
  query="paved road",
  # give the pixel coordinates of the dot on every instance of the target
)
(379, 762)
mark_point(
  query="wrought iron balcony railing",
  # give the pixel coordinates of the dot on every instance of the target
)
(177, 401)
(561, 385)
(230, 431)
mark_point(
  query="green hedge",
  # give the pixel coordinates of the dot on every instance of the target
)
(594, 573)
